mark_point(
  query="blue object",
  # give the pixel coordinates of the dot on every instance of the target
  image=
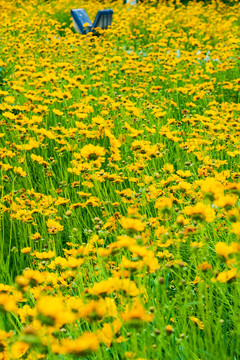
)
(80, 18)
(103, 19)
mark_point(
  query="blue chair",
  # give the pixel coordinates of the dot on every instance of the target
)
(103, 19)
(80, 17)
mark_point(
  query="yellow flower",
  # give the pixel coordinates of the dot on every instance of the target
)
(18, 349)
(57, 112)
(197, 322)
(20, 171)
(236, 228)
(163, 203)
(136, 313)
(52, 310)
(9, 115)
(184, 174)
(58, 263)
(226, 201)
(204, 266)
(54, 226)
(200, 212)
(169, 168)
(83, 345)
(92, 152)
(7, 303)
(108, 331)
(36, 236)
(43, 255)
(113, 284)
(226, 276)
(225, 250)
(39, 159)
(169, 329)
(26, 250)
(132, 225)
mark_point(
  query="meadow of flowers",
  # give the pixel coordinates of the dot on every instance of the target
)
(119, 158)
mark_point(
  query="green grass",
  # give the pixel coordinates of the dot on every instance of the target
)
(128, 84)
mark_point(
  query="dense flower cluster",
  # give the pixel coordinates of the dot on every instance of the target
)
(119, 159)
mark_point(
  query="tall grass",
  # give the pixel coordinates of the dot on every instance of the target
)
(119, 184)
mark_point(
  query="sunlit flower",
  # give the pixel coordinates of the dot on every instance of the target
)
(197, 322)
(132, 225)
